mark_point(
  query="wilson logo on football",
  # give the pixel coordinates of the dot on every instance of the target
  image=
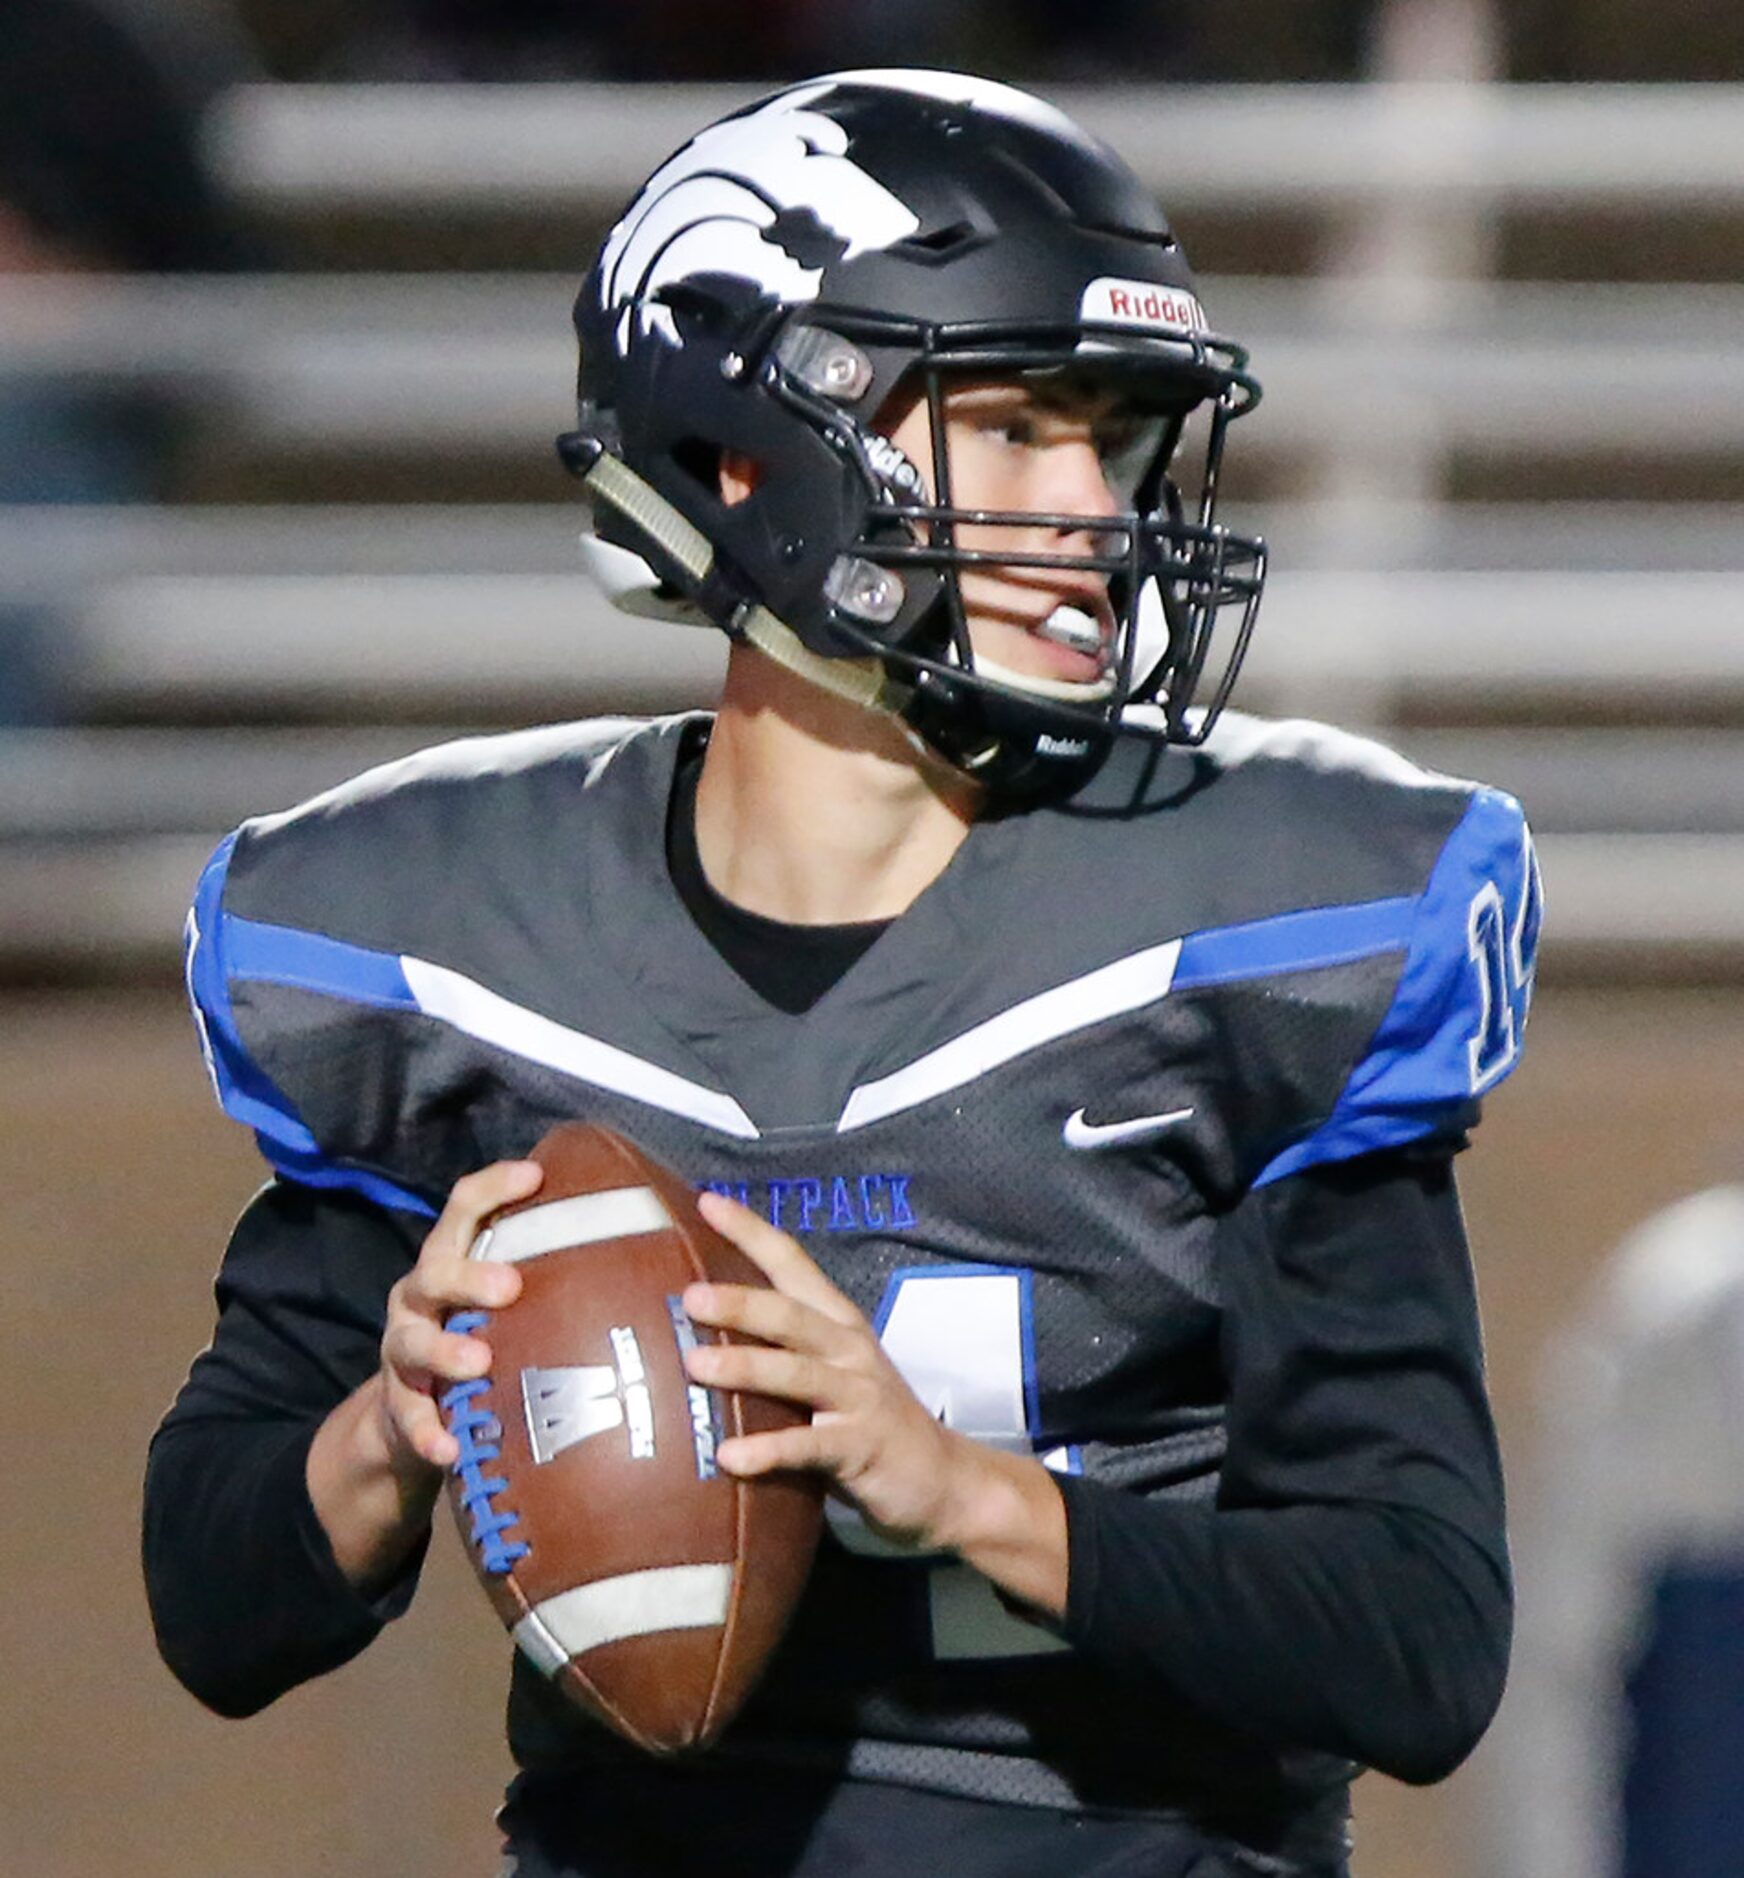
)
(574, 1403)
(1142, 303)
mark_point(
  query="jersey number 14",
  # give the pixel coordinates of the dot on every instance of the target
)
(1502, 950)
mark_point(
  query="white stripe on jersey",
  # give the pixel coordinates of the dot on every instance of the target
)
(492, 1019)
(1107, 992)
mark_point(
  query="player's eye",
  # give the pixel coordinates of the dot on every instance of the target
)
(1015, 428)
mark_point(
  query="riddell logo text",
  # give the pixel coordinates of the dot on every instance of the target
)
(891, 464)
(1151, 306)
(1140, 303)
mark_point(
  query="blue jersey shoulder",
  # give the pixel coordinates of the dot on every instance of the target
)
(212, 940)
(306, 898)
(1457, 1018)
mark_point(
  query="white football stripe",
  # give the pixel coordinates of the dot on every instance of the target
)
(634, 1604)
(1123, 986)
(582, 1219)
(491, 1018)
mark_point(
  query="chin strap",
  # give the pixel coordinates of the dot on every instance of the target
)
(643, 506)
(861, 681)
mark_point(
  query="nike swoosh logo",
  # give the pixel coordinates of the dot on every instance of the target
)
(1079, 1133)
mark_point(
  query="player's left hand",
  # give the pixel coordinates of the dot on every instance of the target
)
(884, 1452)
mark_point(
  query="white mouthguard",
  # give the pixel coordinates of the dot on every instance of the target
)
(1072, 626)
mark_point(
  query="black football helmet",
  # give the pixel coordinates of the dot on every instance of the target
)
(769, 292)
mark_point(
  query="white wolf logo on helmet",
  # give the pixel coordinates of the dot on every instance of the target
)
(705, 211)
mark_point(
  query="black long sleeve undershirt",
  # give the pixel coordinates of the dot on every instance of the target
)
(1348, 1591)
(245, 1593)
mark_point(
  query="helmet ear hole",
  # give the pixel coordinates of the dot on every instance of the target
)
(706, 464)
(736, 476)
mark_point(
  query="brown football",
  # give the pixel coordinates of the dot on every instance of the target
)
(649, 1586)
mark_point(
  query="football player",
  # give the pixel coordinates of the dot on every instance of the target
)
(1082, 1064)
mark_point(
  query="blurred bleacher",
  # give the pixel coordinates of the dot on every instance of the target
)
(1500, 458)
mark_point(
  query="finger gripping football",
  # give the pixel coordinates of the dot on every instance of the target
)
(648, 1585)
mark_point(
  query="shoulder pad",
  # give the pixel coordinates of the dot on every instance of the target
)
(1241, 738)
(466, 763)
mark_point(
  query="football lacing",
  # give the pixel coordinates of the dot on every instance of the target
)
(479, 1432)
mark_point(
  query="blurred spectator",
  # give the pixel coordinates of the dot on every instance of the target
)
(1034, 40)
(98, 157)
(767, 41)
(1623, 41)
(99, 171)
(1620, 1743)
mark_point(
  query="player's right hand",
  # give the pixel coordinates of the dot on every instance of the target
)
(419, 1359)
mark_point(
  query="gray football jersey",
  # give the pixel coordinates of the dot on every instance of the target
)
(1007, 1132)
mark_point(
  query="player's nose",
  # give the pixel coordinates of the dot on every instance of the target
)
(1078, 481)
